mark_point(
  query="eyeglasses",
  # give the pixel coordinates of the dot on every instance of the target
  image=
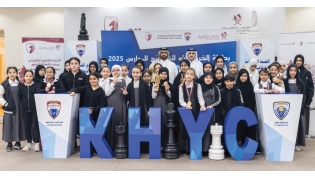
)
(115, 70)
(49, 72)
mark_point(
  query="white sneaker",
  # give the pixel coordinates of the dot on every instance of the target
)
(297, 148)
(28, 147)
(36, 149)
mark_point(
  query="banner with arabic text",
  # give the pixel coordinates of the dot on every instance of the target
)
(125, 47)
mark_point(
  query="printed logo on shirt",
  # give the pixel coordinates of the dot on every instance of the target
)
(281, 109)
(53, 108)
(80, 79)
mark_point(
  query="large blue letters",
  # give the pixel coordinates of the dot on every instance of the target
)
(196, 129)
(151, 133)
(94, 133)
(234, 116)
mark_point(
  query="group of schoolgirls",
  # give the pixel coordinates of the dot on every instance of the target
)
(111, 87)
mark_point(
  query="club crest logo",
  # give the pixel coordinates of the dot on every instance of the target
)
(281, 109)
(53, 108)
(187, 35)
(148, 36)
(223, 35)
(237, 19)
(30, 47)
(80, 49)
(257, 48)
(111, 23)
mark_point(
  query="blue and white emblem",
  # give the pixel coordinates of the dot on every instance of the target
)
(257, 48)
(80, 49)
(53, 108)
(281, 109)
(187, 35)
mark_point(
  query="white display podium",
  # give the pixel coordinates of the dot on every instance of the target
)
(278, 118)
(57, 118)
(86, 51)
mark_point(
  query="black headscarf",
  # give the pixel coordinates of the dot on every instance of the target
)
(67, 61)
(161, 86)
(204, 65)
(185, 61)
(141, 62)
(246, 87)
(37, 79)
(206, 87)
(302, 68)
(216, 81)
(95, 64)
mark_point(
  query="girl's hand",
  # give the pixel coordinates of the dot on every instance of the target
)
(280, 83)
(114, 81)
(181, 85)
(188, 107)
(46, 89)
(209, 107)
(156, 84)
(72, 93)
(51, 92)
(202, 108)
(90, 111)
(167, 87)
(124, 90)
(276, 91)
(148, 113)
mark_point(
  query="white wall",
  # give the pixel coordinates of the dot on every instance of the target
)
(28, 22)
(300, 19)
(271, 21)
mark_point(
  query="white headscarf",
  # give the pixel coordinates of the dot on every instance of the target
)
(254, 75)
(284, 74)
(119, 67)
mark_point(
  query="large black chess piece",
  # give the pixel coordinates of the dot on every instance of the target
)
(83, 33)
(121, 148)
(170, 150)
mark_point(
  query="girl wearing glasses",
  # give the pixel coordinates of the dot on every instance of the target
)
(50, 84)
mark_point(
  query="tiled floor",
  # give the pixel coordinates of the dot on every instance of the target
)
(34, 161)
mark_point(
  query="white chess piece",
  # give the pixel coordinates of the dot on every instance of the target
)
(216, 150)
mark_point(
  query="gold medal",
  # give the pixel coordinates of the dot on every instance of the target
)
(48, 85)
(189, 103)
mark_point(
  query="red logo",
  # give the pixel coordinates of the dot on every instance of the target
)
(30, 47)
(301, 43)
(223, 35)
(111, 23)
(237, 19)
(148, 36)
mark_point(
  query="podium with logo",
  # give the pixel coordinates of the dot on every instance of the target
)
(57, 118)
(278, 118)
(86, 51)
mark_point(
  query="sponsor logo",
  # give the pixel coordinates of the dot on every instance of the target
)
(281, 109)
(237, 19)
(287, 44)
(223, 35)
(257, 48)
(30, 47)
(187, 35)
(148, 36)
(80, 49)
(57, 47)
(53, 108)
(110, 23)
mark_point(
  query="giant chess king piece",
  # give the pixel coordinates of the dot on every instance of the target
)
(170, 150)
(83, 33)
(121, 148)
(216, 150)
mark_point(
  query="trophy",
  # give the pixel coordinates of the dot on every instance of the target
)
(153, 74)
(157, 80)
(83, 34)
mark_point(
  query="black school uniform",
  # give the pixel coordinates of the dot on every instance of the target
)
(95, 99)
(26, 95)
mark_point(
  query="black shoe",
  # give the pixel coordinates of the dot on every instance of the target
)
(17, 146)
(9, 148)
